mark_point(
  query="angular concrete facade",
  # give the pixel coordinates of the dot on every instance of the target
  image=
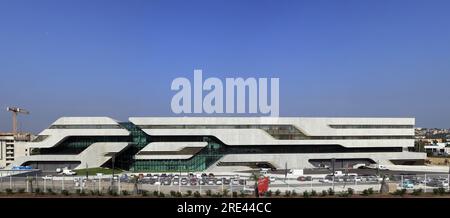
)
(175, 144)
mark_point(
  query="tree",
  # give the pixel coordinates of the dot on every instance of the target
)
(135, 181)
(255, 177)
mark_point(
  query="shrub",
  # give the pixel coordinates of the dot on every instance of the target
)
(350, 191)
(330, 192)
(370, 190)
(218, 194)
(268, 193)
(305, 194)
(324, 193)
(365, 192)
(439, 191)
(235, 194)
(38, 191)
(96, 192)
(225, 192)
(197, 194)
(50, 191)
(161, 195)
(294, 193)
(21, 190)
(188, 193)
(179, 195)
(65, 192)
(80, 192)
(112, 192)
(208, 192)
(242, 194)
(400, 192)
(417, 192)
(173, 193)
(313, 193)
(155, 193)
(287, 193)
(277, 192)
(125, 193)
(144, 193)
(344, 194)
(9, 191)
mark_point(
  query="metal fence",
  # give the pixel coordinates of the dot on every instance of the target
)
(121, 185)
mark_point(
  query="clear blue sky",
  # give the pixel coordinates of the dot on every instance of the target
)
(118, 58)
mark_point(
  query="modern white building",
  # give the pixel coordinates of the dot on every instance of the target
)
(193, 144)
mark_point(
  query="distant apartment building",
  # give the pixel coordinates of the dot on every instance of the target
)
(12, 146)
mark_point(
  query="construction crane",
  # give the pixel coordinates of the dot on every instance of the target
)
(16, 111)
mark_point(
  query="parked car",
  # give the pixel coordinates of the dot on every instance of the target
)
(407, 184)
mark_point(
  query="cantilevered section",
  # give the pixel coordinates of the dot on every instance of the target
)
(194, 144)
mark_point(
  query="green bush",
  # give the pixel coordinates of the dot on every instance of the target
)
(370, 190)
(38, 191)
(235, 194)
(208, 193)
(313, 193)
(287, 193)
(305, 194)
(330, 192)
(96, 192)
(80, 192)
(225, 192)
(125, 193)
(179, 195)
(173, 193)
(197, 194)
(350, 191)
(161, 195)
(365, 192)
(268, 193)
(9, 191)
(277, 192)
(144, 193)
(65, 192)
(50, 191)
(242, 194)
(188, 193)
(344, 194)
(417, 192)
(439, 191)
(294, 193)
(400, 192)
(324, 193)
(21, 190)
(155, 193)
(112, 192)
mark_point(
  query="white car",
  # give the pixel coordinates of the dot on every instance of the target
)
(272, 179)
(68, 172)
(219, 182)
